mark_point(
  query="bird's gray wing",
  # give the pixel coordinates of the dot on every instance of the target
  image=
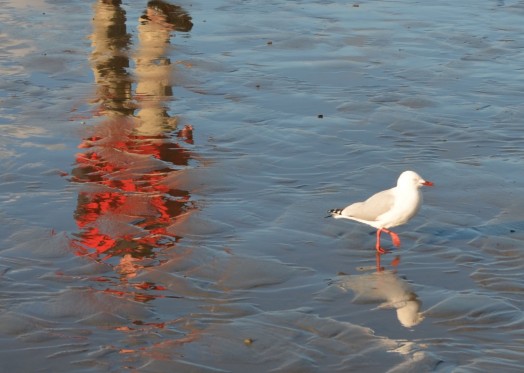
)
(371, 208)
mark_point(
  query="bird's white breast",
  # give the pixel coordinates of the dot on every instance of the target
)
(407, 203)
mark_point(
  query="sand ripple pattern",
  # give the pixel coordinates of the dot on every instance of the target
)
(164, 181)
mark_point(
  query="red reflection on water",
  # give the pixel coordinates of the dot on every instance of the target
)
(128, 206)
(127, 209)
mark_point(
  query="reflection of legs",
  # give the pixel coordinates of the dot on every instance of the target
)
(153, 66)
(109, 60)
(153, 71)
(394, 263)
(377, 257)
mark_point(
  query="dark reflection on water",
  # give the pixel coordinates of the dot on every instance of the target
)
(127, 212)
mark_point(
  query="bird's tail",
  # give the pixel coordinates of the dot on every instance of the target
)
(334, 212)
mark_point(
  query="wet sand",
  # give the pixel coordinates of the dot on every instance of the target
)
(166, 171)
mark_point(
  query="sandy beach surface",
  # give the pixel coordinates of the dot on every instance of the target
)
(166, 168)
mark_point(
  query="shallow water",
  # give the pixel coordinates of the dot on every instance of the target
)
(164, 185)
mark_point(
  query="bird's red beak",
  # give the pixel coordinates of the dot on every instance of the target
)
(427, 183)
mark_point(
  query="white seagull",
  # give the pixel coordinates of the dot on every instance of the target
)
(389, 208)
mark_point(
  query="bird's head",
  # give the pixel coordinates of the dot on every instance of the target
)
(412, 179)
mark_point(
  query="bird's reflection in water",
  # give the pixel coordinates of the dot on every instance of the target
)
(387, 288)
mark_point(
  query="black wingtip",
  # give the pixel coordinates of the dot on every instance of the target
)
(333, 212)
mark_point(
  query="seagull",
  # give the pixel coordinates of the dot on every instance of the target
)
(388, 208)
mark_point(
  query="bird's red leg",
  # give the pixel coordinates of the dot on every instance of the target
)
(379, 249)
(394, 237)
